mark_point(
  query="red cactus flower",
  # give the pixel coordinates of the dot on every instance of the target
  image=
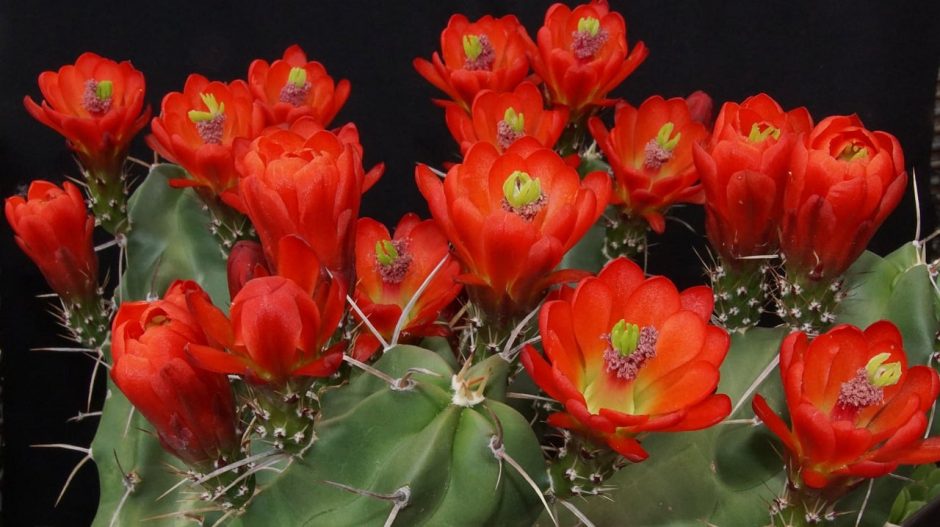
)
(499, 118)
(193, 410)
(650, 151)
(245, 261)
(844, 181)
(97, 104)
(293, 87)
(276, 331)
(308, 182)
(629, 355)
(511, 218)
(391, 270)
(858, 410)
(744, 172)
(582, 55)
(53, 227)
(487, 54)
(196, 129)
(701, 107)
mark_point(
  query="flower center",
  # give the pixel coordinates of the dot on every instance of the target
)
(512, 127)
(522, 195)
(392, 259)
(588, 39)
(479, 52)
(630, 347)
(658, 150)
(758, 135)
(210, 122)
(296, 89)
(853, 152)
(96, 99)
(866, 388)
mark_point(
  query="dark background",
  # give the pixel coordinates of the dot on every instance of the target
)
(877, 59)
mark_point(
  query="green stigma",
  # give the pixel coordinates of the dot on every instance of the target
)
(297, 77)
(624, 337)
(757, 135)
(521, 190)
(472, 46)
(385, 252)
(853, 152)
(515, 120)
(589, 25)
(214, 109)
(881, 374)
(663, 137)
(104, 89)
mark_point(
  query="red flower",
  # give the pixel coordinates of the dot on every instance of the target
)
(279, 325)
(511, 218)
(192, 410)
(293, 87)
(196, 129)
(744, 172)
(650, 151)
(499, 118)
(582, 55)
(844, 181)
(245, 261)
(390, 272)
(55, 230)
(308, 182)
(487, 54)
(858, 411)
(98, 105)
(629, 355)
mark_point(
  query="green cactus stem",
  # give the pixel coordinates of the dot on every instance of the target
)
(283, 418)
(808, 305)
(740, 294)
(625, 236)
(226, 224)
(107, 196)
(90, 322)
(582, 466)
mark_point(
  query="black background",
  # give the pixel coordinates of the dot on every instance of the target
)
(877, 59)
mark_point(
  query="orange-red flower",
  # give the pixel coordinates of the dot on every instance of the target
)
(196, 128)
(650, 151)
(193, 410)
(308, 182)
(858, 410)
(499, 118)
(487, 54)
(55, 230)
(511, 218)
(582, 55)
(97, 104)
(844, 181)
(629, 355)
(278, 328)
(744, 172)
(245, 261)
(292, 87)
(391, 270)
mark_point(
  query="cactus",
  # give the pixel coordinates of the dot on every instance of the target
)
(740, 294)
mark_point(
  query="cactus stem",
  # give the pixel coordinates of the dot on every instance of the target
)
(509, 352)
(577, 512)
(756, 384)
(263, 456)
(406, 312)
(499, 451)
(405, 383)
(400, 498)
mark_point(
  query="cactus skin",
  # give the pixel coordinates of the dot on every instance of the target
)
(624, 236)
(808, 305)
(740, 295)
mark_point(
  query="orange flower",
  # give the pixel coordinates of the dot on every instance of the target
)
(744, 172)
(390, 272)
(487, 54)
(630, 355)
(499, 118)
(650, 151)
(582, 55)
(858, 410)
(293, 87)
(308, 182)
(54, 229)
(97, 104)
(192, 410)
(196, 129)
(511, 218)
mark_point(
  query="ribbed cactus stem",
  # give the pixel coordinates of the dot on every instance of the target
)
(230, 489)
(802, 506)
(283, 417)
(740, 291)
(226, 224)
(89, 321)
(625, 236)
(581, 467)
(806, 304)
(107, 195)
